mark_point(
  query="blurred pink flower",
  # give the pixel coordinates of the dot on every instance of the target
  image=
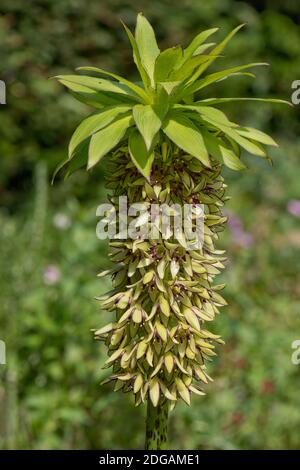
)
(239, 235)
(293, 207)
(242, 238)
(51, 274)
(234, 221)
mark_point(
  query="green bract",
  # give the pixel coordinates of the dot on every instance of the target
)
(166, 103)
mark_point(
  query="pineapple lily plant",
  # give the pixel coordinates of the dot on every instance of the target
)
(165, 145)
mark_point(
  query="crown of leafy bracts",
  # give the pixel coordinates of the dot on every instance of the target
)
(165, 105)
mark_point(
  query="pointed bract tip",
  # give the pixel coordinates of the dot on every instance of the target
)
(240, 26)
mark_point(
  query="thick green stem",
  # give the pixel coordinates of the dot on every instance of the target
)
(157, 426)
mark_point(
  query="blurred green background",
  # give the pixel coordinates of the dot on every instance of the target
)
(50, 396)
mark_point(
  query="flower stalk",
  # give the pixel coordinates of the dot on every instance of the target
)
(157, 426)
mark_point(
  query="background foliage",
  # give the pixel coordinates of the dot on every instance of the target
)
(49, 389)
